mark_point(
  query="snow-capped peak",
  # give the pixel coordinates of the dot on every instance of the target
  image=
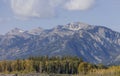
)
(76, 26)
(36, 31)
(21, 31)
(15, 31)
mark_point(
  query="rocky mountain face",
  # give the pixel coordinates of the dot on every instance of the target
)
(95, 44)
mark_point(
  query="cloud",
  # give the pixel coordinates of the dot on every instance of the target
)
(46, 8)
(79, 4)
(33, 8)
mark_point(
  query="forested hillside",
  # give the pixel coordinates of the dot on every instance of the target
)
(57, 65)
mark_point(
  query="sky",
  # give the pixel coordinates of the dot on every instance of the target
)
(30, 14)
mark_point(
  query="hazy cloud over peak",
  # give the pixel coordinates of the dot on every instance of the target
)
(46, 8)
(79, 4)
(32, 8)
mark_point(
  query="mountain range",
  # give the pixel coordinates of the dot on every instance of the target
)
(95, 44)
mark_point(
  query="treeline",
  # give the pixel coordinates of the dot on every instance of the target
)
(57, 65)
